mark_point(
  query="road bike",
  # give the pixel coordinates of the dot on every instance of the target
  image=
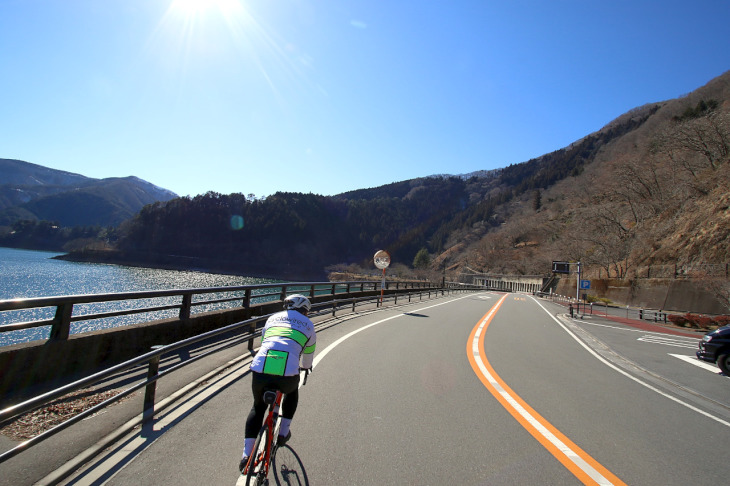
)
(265, 447)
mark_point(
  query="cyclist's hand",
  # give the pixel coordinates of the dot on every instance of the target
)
(306, 374)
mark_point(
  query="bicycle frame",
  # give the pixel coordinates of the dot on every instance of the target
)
(271, 423)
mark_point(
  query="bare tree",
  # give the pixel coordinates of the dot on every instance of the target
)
(696, 145)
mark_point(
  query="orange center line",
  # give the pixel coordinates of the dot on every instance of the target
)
(576, 460)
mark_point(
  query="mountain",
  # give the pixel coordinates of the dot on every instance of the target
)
(646, 195)
(33, 192)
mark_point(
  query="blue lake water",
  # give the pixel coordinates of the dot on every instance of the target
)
(25, 273)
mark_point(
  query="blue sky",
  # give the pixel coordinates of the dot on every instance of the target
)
(326, 96)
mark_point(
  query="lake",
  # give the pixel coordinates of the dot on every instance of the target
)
(26, 273)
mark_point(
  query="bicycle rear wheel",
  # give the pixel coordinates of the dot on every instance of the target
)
(256, 473)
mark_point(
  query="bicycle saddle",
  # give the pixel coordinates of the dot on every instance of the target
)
(270, 396)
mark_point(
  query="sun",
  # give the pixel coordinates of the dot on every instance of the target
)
(194, 34)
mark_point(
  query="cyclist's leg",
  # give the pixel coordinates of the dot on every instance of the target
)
(290, 388)
(289, 385)
(255, 418)
(257, 468)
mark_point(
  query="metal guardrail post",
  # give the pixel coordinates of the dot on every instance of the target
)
(187, 300)
(250, 341)
(61, 327)
(148, 410)
(247, 305)
(283, 293)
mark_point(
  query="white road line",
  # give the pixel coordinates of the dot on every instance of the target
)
(694, 361)
(694, 339)
(628, 375)
(667, 341)
(321, 354)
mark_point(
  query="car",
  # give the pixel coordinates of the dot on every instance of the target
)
(715, 348)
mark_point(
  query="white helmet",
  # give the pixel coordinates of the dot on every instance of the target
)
(297, 302)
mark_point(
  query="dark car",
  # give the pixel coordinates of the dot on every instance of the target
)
(715, 348)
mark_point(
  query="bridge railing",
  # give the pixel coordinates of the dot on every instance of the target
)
(163, 303)
(251, 329)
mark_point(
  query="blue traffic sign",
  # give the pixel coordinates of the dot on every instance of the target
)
(585, 284)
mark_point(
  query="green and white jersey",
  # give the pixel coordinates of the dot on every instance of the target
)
(288, 344)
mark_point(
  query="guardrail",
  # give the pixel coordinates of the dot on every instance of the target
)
(182, 300)
(579, 308)
(152, 359)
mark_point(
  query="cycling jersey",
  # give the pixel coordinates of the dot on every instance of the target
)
(288, 342)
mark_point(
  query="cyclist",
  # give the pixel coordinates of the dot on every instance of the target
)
(287, 346)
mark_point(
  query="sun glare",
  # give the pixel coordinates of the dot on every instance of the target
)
(197, 32)
(193, 7)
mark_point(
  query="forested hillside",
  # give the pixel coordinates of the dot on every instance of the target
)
(290, 232)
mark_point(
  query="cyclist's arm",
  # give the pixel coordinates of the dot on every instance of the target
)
(306, 359)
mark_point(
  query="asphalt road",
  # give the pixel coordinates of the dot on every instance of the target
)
(416, 396)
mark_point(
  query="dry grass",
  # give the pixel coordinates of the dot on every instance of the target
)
(31, 424)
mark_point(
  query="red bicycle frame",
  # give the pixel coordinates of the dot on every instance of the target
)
(270, 424)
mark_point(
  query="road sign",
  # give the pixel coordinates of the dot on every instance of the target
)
(585, 284)
(561, 267)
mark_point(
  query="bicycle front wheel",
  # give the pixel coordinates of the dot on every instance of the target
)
(258, 467)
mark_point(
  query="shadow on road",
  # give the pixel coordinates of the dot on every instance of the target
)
(288, 468)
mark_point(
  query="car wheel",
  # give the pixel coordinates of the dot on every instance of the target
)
(723, 361)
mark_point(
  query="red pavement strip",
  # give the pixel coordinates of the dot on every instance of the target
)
(646, 326)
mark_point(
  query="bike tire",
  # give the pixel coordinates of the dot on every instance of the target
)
(256, 473)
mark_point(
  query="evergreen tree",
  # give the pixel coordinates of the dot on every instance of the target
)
(422, 259)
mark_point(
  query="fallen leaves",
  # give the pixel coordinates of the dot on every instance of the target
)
(35, 422)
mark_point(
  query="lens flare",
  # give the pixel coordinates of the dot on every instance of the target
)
(236, 222)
